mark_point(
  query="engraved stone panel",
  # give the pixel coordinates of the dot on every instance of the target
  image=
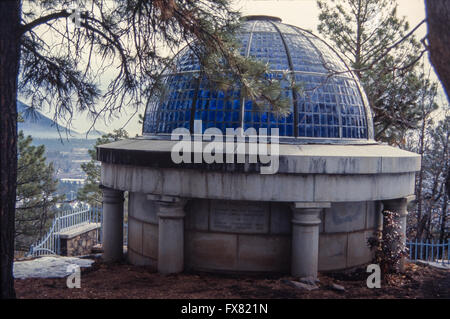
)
(345, 217)
(239, 217)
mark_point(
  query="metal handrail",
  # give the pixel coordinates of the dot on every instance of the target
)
(429, 250)
(49, 244)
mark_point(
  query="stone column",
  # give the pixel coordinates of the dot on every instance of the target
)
(379, 210)
(399, 206)
(112, 233)
(171, 233)
(305, 238)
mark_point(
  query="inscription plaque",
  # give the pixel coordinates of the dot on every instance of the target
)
(239, 218)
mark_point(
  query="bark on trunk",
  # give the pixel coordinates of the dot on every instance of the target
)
(420, 181)
(9, 68)
(443, 230)
(438, 20)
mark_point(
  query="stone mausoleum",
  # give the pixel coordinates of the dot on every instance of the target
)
(314, 214)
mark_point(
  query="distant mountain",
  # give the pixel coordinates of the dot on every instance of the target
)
(40, 126)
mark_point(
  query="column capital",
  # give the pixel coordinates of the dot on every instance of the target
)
(169, 206)
(166, 199)
(398, 205)
(310, 205)
(307, 213)
(399, 201)
(111, 195)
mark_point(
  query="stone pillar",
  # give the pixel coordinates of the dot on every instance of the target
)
(305, 238)
(170, 234)
(112, 233)
(379, 211)
(399, 206)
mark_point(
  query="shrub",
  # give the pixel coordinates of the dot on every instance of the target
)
(389, 244)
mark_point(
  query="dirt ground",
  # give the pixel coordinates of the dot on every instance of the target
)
(127, 281)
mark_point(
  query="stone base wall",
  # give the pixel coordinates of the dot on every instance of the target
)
(142, 231)
(344, 232)
(240, 236)
(79, 245)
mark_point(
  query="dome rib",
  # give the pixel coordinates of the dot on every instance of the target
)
(247, 53)
(291, 66)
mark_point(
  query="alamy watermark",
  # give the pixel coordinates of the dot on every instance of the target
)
(74, 279)
(236, 146)
(374, 279)
(75, 15)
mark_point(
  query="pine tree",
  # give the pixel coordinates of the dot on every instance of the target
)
(420, 141)
(419, 144)
(36, 197)
(436, 167)
(378, 46)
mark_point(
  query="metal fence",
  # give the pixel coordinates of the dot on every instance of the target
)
(436, 251)
(49, 244)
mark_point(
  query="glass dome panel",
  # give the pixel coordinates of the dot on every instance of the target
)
(331, 107)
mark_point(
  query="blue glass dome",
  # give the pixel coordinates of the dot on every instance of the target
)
(332, 107)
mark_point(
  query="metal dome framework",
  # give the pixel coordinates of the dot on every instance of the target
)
(332, 109)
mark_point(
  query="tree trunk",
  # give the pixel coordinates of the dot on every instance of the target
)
(9, 69)
(420, 181)
(443, 233)
(438, 20)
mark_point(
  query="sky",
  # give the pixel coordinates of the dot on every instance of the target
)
(305, 14)
(301, 13)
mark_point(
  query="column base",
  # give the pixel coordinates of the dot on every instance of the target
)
(305, 238)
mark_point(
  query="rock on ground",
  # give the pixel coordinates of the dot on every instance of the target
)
(48, 267)
(301, 285)
(337, 287)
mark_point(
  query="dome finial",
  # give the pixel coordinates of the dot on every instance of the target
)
(261, 17)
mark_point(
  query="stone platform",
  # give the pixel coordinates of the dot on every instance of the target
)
(315, 213)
